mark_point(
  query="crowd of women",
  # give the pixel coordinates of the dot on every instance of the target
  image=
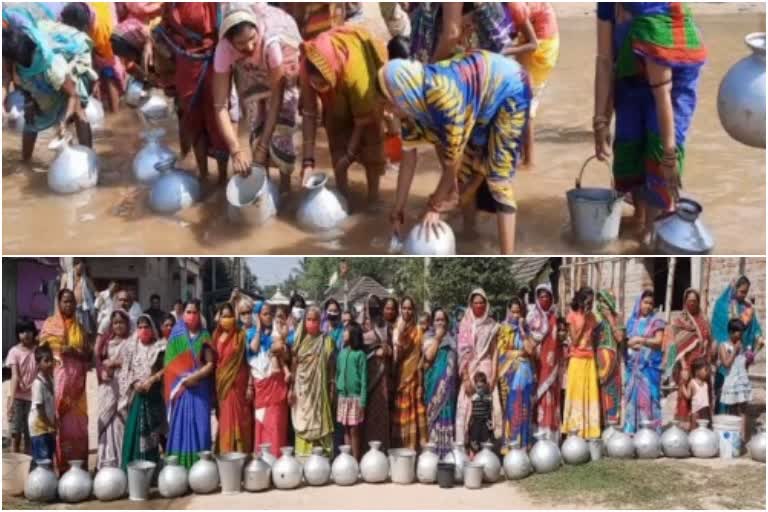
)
(464, 77)
(321, 377)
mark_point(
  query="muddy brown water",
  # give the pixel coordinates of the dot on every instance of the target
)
(725, 176)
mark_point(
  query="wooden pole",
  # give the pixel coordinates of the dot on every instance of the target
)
(705, 285)
(670, 286)
(573, 278)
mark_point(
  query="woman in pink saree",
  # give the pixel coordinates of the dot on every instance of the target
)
(477, 353)
(67, 339)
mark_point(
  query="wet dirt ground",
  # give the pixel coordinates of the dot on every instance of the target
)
(725, 176)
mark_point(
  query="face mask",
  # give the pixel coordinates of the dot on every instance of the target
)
(334, 317)
(145, 335)
(227, 323)
(478, 310)
(313, 327)
(545, 302)
(246, 319)
(192, 320)
(166, 331)
(297, 313)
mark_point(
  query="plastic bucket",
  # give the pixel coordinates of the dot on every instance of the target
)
(595, 212)
(445, 474)
(140, 474)
(728, 430)
(15, 470)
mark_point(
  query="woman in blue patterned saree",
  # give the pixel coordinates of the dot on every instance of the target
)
(473, 109)
(440, 385)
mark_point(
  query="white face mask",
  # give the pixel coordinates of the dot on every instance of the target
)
(297, 313)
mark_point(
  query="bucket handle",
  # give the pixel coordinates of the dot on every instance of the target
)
(584, 166)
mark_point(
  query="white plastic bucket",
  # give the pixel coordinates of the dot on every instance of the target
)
(15, 470)
(728, 430)
(595, 212)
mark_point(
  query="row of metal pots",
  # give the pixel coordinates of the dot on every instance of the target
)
(401, 466)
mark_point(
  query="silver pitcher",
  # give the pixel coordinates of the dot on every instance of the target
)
(683, 232)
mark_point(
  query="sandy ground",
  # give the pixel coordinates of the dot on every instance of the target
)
(726, 177)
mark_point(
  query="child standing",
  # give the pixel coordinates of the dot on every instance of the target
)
(41, 422)
(698, 392)
(737, 390)
(21, 361)
(352, 386)
(480, 421)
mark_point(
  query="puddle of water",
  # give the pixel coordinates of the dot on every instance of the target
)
(726, 177)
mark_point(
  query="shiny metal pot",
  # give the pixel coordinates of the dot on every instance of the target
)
(266, 454)
(41, 484)
(647, 441)
(172, 481)
(374, 466)
(457, 456)
(230, 467)
(491, 463)
(674, 442)
(75, 485)
(621, 446)
(683, 232)
(426, 464)
(403, 465)
(258, 474)
(345, 469)
(473, 475)
(575, 449)
(517, 464)
(75, 167)
(174, 190)
(756, 446)
(321, 209)
(110, 483)
(545, 455)
(704, 442)
(94, 112)
(204, 474)
(252, 200)
(134, 92)
(317, 468)
(440, 242)
(741, 97)
(152, 153)
(286, 471)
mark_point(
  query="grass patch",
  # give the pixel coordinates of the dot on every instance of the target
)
(660, 484)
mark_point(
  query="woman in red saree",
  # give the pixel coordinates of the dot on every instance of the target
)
(189, 32)
(687, 338)
(233, 388)
(270, 390)
(542, 324)
(409, 418)
(66, 337)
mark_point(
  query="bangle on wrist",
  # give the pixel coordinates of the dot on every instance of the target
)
(308, 162)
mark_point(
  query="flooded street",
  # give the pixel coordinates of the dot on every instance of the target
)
(725, 176)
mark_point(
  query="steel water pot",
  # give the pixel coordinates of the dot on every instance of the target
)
(683, 231)
(94, 112)
(140, 473)
(152, 153)
(110, 483)
(230, 467)
(490, 461)
(756, 446)
(345, 468)
(172, 481)
(457, 456)
(674, 442)
(374, 466)
(621, 446)
(607, 433)
(76, 484)
(75, 167)
(174, 190)
(258, 474)
(517, 464)
(317, 468)
(286, 471)
(204, 474)
(647, 441)
(41, 484)
(575, 449)
(741, 97)
(266, 454)
(252, 200)
(438, 242)
(545, 455)
(321, 209)
(426, 464)
(704, 442)
(134, 92)
(473, 475)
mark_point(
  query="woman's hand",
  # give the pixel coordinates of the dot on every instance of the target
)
(261, 154)
(249, 393)
(147, 57)
(342, 165)
(431, 225)
(241, 163)
(397, 219)
(602, 134)
(307, 170)
(668, 167)
(9, 409)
